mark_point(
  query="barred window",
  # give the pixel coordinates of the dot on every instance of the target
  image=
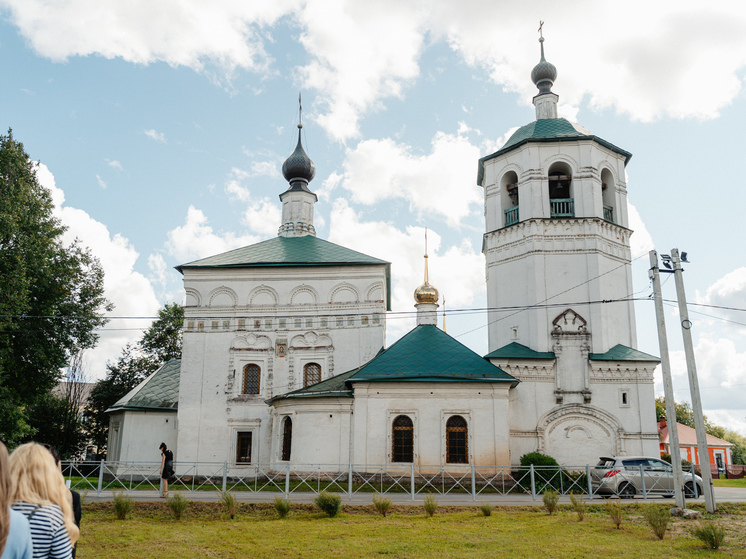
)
(287, 438)
(457, 435)
(251, 376)
(402, 439)
(243, 447)
(311, 374)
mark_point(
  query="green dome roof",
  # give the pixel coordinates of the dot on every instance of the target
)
(549, 130)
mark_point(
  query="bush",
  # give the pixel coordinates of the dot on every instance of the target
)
(578, 505)
(614, 508)
(178, 504)
(658, 519)
(547, 472)
(431, 505)
(550, 500)
(710, 534)
(485, 509)
(229, 500)
(382, 504)
(122, 505)
(282, 506)
(330, 503)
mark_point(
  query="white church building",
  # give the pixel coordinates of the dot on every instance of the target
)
(284, 358)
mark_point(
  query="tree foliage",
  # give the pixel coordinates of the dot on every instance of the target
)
(52, 298)
(159, 343)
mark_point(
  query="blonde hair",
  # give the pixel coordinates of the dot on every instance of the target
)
(6, 490)
(39, 481)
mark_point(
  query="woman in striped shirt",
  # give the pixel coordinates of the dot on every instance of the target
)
(41, 496)
(15, 536)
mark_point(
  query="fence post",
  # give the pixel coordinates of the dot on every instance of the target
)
(349, 481)
(411, 480)
(533, 484)
(287, 481)
(225, 476)
(100, 478)
(642, 481)
(588, 479)
(473, 484)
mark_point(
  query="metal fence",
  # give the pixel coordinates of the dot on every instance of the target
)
(411, 479)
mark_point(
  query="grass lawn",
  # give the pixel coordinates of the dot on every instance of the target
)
(207, 531)
(729, 482)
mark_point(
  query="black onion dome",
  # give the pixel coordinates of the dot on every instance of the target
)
(544, 73)
(299, 165)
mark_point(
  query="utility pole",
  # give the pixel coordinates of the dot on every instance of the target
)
(673, 431)
(691, 367)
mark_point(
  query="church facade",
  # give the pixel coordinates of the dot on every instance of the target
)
(284, 362)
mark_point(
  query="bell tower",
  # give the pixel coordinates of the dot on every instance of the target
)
(557, 234)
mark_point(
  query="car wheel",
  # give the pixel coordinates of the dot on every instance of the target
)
(627, 491)
(689, 490)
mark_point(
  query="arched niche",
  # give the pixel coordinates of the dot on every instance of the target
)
(223, 297)
(263, 296)
(608, 195)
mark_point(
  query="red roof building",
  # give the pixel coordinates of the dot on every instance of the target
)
(719, 450)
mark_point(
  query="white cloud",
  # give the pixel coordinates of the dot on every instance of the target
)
(157, 266)
(101, 181)
(261, 216)
(131, 293)
(114, 163)
(650, 60)
(157, 136)
(196, 239)
(441, 183)
(457, 271)
(728, 291)
(641, 242)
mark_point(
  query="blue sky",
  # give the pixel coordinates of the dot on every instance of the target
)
(162, 129)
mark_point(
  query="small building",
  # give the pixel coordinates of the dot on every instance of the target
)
(719, 450)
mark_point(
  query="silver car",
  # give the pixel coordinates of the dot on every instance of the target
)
(628, 476)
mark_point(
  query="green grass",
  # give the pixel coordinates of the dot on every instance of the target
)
(729, 482)
(358, 531)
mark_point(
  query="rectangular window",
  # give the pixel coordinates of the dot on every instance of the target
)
(243, 447)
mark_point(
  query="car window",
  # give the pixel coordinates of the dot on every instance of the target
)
(635, 462)
(605, 463)
(659, 465)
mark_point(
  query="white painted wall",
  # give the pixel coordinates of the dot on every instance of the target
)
(134, 436)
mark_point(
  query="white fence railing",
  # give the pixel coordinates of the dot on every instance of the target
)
(411, 479)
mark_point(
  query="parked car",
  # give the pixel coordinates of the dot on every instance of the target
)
(628, 476)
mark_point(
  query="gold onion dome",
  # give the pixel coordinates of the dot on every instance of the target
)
(426, 293)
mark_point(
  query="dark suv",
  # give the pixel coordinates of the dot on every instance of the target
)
(628, 476)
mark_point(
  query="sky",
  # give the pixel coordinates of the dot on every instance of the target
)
(161, 129)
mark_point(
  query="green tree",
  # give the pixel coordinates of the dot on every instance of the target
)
(684, 412)
(52, 297)
(161, 342)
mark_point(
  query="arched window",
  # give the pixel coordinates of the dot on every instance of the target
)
(608, 194)
(509, 197)
(402, 439)
(287, 438)
(560, 191)
(457, 436)
(311, 374)
(251, 376)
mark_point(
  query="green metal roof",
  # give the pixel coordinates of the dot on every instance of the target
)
(519, 351)
(160, 391)
(291, 251)
(427, 353)
(623, 353)
(549, 130)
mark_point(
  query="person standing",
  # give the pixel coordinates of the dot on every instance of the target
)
(15, 534)
(77, 509)
(41, 496)
(167, 467)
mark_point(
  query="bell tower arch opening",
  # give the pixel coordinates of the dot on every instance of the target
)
(561, 201)
(509, 198)
(608, 195)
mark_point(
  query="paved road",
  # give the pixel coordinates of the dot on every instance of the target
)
(722, 495)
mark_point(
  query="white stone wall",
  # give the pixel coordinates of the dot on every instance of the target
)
(278, 318)
(134, 436)
(429, 404)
